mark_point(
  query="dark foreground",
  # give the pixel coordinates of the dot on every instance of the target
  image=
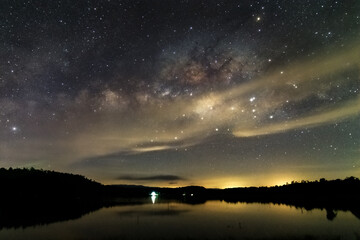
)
(32, 197)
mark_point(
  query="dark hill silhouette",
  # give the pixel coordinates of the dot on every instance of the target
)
(20, 184)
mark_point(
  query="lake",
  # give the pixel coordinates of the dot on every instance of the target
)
(211, 220)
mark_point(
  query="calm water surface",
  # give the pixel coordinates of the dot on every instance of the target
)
(212, 220)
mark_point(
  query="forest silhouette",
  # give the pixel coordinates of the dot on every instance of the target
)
(34, 197)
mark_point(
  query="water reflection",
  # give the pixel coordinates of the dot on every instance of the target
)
(170, 218)
(211, 220)
(330, 214)
(149, 212)
(14, 215)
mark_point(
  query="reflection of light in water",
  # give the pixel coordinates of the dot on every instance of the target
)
(153, 196)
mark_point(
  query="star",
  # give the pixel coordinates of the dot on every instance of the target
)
(126, 94)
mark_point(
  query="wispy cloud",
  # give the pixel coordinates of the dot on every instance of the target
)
(338, 113)
(150, 178)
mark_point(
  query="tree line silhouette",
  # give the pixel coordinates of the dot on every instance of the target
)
(29, 183)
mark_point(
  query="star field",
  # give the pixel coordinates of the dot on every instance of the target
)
(213, 93)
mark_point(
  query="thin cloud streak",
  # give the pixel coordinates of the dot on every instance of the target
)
(150, 178)
(336, 114)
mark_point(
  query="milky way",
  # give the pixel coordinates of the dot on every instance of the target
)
(171, 93)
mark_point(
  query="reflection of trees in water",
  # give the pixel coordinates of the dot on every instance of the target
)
(331, 210)
(32, 214)
(24, 215)
(167, 212)
(356, 212)
(330, 214)
(357, 236)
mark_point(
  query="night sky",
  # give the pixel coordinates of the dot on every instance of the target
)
(174, 93)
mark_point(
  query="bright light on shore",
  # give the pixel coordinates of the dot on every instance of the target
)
(153, 197)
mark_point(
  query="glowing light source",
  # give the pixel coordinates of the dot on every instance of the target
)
(153, 197)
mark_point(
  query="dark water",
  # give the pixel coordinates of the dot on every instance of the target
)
(212, 220)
